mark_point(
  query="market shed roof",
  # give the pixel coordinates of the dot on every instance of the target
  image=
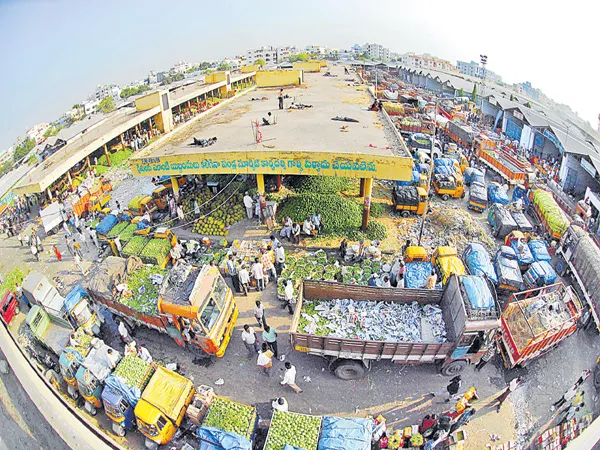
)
(308, 137)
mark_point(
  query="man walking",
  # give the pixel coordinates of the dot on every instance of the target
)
(270, 337)
(512, 386)
(280, 97)
(77, 248)
(248, 204)
(279, 258)
(289, 377)
(81, 235)
(259, 313)
(268, 266)
(265, 359)
(249, 339)
(451, 390)
(38, 243)
(34, 251)
(20, 239)
(69, 245)
(233, 272)
(244, 279)
(259, 276)
(567, 397)
(94, 236)
(77, 259)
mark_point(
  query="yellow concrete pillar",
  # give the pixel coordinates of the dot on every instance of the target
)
(175, 184)
(87, 161)
(107, 155)
(122, 141)
(70, 179)
(367, 203)
(260, 183)
(49, 192)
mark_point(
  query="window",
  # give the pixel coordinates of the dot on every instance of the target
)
(161, 422)
(220, 291)
(210, 314)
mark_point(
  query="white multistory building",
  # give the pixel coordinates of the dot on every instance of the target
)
(36, 133)
(474, 69)
(269, 54)
(107, 90)
(376, 51)
(316, 49)
(425, 61)
(180, 67)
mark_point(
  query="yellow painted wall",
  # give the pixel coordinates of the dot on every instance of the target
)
(309, 66)
(272, 78)
(215, 77)
(148, 101)
(322, 62)
(252, 68)
(287, 161)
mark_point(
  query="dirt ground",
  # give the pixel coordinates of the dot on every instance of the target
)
(398, 392)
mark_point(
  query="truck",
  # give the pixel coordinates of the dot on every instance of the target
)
(52, 217)
(50, 332)
(448, 186)
(418, 267)
(460, 134)
(409, 200)
(579, 257)
(507, 166)
(95, 368)
(501, 221)
(90, 197)
(141, 204)
(446, 262)
(122, 391)
(350, 357)
(535, 321)
(79, 308)
(507, 270)
(195, 307)
(478, 261)
(478, 199)
(540, 273)
(162, 406)
(544, 208)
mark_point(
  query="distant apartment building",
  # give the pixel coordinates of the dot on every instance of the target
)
(316, 49)
(152, 77)
(425, 61)
(180, 67)
(356, 49)
(529, 90)
(376, 51)
(107, 90)
(474, 69)
(269, 54)
(89, 106)
(36, 133)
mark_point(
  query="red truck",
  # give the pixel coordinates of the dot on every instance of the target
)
(537, 320)
(507, 166)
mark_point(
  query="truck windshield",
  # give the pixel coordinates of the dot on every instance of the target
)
(210, 314)
(220, 291)
(82, 313)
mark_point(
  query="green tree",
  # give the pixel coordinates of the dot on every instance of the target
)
(260, 62)
(76, 106)
(512, 98)
(52, 131)
(6, 167)
(32, 160)
(300, 57)
(23, 149)
(224, 66)
(474, 94)
(461, 92)
(107, 105)
(129, 91)
(528, 104)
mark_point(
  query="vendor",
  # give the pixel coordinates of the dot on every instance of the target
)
(286, 231)
(280, 404)
(431, 280)
(308, 227)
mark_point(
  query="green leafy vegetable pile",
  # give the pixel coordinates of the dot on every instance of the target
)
(319, 185)
(128, 233)
(231, 417)
(11, 280)
(134, 247)
(338, 213)
(133, 370)
(297, 430)
(376, 230)
(144, 293)
(155, 251)
(117, 229)
(116, 159)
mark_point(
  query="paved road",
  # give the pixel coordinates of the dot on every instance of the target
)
(21, 424)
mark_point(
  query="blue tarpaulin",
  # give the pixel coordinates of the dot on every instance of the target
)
(348, 433)
(479, 262)
(291, 447)
(75, 297)
(524, 255)
(212, 438)
(444, 170)
(473, 175)
(415, 179)
(507, 267)
(478, 292)
(424, 168)
(539, 250)
(142, 225)
(497, 195)
(443, 162)
(416, 274)
(131, 394)
(107, 224)
(540, 274)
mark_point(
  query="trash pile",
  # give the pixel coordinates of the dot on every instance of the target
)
(446, 225)
(373, 321)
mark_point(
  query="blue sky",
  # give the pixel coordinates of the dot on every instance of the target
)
(55, 52)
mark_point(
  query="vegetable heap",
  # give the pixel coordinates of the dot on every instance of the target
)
(231, 417)
(134, 247)
(144, 293)
(117, 229)
(128, 233)
(84, 341)
(155, 251)
(133, 370)
(11, 280)
(298, 430)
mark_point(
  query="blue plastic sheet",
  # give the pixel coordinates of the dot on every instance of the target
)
(291, 447)
(524, 255)
(107, 224)
(415, 179)
(345, 433)
(540, 274)
(539, 250)
(507, 267)
(75, 297)
(479, 262)
(443, 162)
(424, 168)
(131, 394)
(416, 274)
(473, 175)
(142, 225)
(478, 292)
(444, 170)
(497, 195)
(212, 438)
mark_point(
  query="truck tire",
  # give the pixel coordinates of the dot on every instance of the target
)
(596, 379)
(454, 368)
(347, 370)
(405, 214)
(445, 197)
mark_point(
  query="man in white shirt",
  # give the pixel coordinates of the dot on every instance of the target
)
(279, 258)
(248, 204)
(249, 339)
(244, 277)
(280, 404)
(289, 377)
(257, 273)
(144, 354)
(308, 227)
(259, 313)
